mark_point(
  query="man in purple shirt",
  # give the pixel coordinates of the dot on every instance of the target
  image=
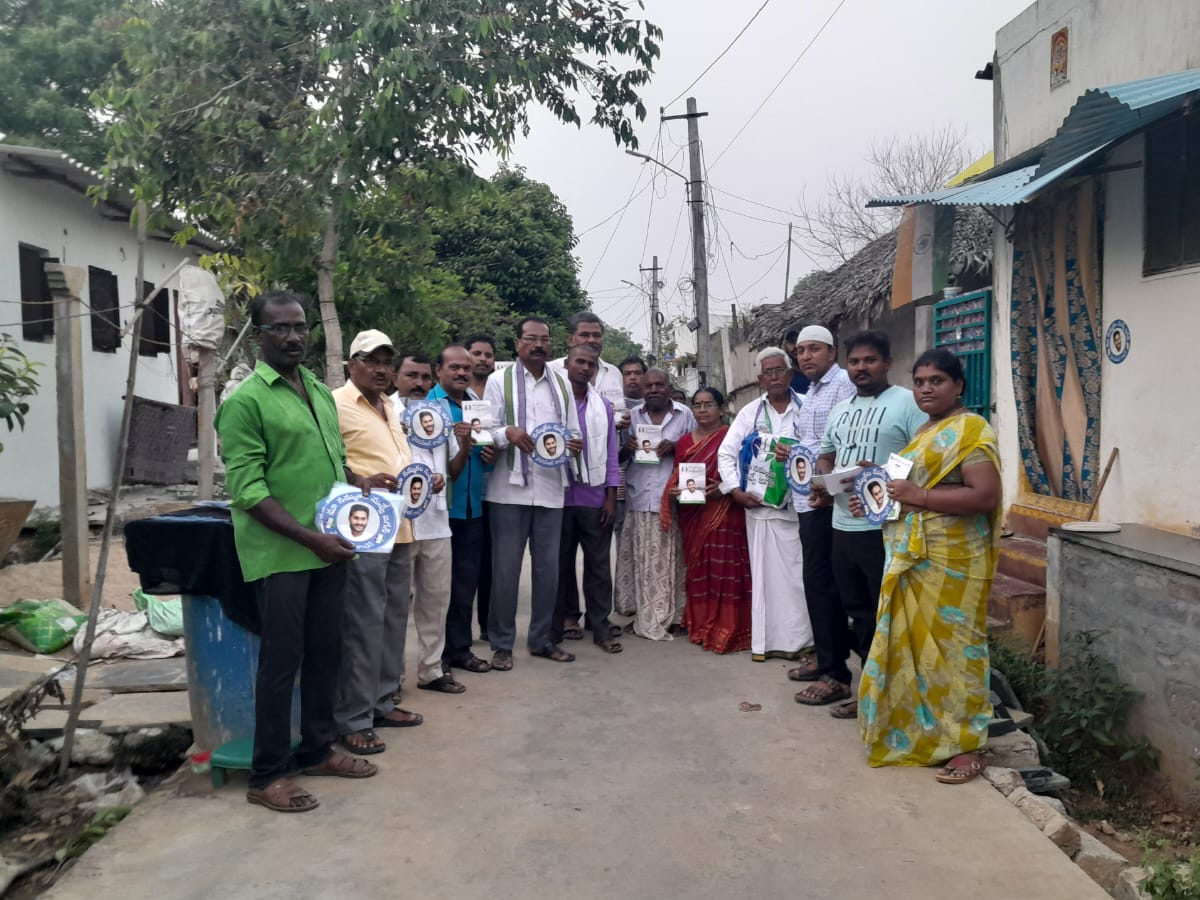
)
(589, 504)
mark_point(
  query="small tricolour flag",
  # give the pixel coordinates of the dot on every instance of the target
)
(922, 252)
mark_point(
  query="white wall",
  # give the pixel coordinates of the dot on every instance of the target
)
(61, 221)
(1111, 41)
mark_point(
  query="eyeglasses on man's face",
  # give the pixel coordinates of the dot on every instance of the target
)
(535, 338)
(372, 362)
(279, 329)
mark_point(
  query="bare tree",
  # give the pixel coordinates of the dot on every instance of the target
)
(839, 224)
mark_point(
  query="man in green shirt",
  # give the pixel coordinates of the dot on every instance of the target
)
(283, 451)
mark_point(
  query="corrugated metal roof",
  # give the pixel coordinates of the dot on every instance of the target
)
(1100, 118)
(54, 165)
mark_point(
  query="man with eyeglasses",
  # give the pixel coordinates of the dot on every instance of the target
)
(779, 624)
(283, 452)
(526, 500)
(377, 584)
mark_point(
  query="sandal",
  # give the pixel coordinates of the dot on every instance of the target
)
(808, 670)
(283, 795)
(502, 660)
(444, 685)
(955, 772)
(399, 718)
(363, 742)
(609, 646)
(573, 633)
(676, 630)
(555, 654)
(473, 663)
(847, 709)
(339, 765)
(823, 691)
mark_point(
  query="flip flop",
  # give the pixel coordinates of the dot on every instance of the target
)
(609, 646)
(283, 795)
(502, 661)
(823, 691)
(444, 685)
(573, 633)
(473, 664)
(847, 709)
(371, 742)
(954, 772)
(808, 670)
(339, 765)
(405, 719)
(554, 654)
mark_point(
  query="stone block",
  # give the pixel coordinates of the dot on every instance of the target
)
(1014, 751)
(1129, 884)
(1101, 864)
(1064, 833)
(1004, 780)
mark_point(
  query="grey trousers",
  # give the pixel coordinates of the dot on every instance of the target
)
(512, 528)
(378, 594)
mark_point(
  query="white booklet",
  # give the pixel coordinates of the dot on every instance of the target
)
(647, 437)
(897, 466)
(478, 414)
(692, 481)
(839, 481)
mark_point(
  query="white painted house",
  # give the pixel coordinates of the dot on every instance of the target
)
(45, 214)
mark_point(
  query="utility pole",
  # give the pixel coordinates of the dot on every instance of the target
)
(699, 241)
(655, 323)
(787, 274)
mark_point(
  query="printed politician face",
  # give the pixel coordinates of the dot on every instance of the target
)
(359, 517)
(875, 488)
(550, 445)
(645, 446)
(691, 485)
(476, 425)
(416, 488)
(1118, 342)
(427, 423)
(800, 470)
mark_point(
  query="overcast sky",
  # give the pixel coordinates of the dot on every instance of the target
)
(880, 68)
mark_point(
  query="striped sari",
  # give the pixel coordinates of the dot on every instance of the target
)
(924, 695)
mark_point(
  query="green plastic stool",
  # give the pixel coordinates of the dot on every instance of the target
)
(235, 754)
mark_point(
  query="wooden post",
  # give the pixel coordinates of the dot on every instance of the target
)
(206, 389)
(66, 284)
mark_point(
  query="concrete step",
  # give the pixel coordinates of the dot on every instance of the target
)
(1023, 558)
(1034, 523)
(1017, 607)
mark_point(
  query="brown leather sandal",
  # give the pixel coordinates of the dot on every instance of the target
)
(341, 765)
(283, 795)
(823, 691)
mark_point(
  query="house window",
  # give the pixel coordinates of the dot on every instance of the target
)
(106, 316)
(1172, 185)
(37, 306)
(156, 322)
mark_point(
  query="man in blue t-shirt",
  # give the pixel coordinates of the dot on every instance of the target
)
(880, 419)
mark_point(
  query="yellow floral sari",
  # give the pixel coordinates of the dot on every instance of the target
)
(924, 695)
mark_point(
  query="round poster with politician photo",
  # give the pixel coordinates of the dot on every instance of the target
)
(369, 523)
(871, 489)
(415, 489)
(428, 424)
(550, 444)
(801, 467)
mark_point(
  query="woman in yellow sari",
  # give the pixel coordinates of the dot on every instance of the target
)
(924, 696)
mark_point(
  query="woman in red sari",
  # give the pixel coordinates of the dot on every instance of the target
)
(714, 539)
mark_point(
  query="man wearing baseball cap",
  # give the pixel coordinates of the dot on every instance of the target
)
(378, 585)
(816, 357)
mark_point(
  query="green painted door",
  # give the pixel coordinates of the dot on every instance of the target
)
(963, 325)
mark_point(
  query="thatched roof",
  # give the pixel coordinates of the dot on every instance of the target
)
(861, 288)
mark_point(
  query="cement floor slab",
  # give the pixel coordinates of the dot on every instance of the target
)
(634, 775)
(139, 675)
(129, 712)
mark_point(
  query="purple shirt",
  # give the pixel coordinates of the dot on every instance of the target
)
(589, 495)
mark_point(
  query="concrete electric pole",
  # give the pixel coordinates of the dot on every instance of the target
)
(655, 318)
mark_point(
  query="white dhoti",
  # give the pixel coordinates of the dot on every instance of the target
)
(779, 614)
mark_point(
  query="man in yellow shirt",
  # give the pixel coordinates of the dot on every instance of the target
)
(378, 585)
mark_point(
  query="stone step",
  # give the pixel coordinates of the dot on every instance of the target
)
(1023, 558)
(1034, 523)
(1017, 607)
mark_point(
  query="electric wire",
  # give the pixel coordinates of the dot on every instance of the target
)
(720, 56)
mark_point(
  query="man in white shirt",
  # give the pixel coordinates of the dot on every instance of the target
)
(779, 625)
(586, 328)
(525, 499)
(431, 553)
(816, 357)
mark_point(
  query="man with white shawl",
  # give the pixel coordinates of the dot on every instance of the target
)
(779, 625)
(590, 505)
(526, 499)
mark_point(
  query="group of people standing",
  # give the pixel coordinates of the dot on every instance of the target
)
(732, 573)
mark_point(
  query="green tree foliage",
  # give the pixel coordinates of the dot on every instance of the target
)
(53, 54)
(268, 121)
(17, 382)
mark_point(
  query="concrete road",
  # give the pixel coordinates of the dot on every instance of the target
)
(633, 775)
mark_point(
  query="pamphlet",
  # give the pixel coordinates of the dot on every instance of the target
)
(692, 482)
(478, 414)
(648, 438)
(839, 481)
(897, 466)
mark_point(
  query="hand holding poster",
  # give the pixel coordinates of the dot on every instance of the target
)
(368, 522)
(870, 487)
(647, 437)
(550, 444)
(692, 483)
(427, 423)
(415, 489)
(478, 414)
